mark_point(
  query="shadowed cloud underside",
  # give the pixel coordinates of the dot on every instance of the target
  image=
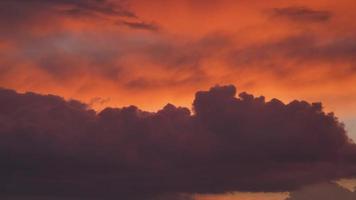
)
(50, 146)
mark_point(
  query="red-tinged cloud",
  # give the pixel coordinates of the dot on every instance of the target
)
(58, 148)
(302, 14)
(70, 7)
(302, 49)
(136, 49)
(43, 16)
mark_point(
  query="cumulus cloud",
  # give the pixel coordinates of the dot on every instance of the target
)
(50, 146)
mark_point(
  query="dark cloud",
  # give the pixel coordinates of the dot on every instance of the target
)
(188, 53)
(53, 147)
(99, 6)
(65, 56)
(323, 191)
(309, 47)
(141, 25)
(75, 7)
(21, 17)
(298, 49)
(302, 14)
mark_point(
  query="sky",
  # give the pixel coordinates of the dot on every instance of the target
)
(227, 90)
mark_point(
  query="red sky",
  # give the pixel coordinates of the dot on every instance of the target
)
(147, 53)
(285, 49)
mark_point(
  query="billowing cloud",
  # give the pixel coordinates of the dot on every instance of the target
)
(130, 47)
(50, 146)
(147, 53)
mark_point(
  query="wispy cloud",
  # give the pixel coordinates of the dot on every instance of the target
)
(141, 25)
(302, 14)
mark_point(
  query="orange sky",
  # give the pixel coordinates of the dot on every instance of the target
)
(149, 53)
(197, 44)
(170, 49)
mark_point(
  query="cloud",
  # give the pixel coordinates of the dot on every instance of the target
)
(323, 191)
(302, 14)
(114, 57)
(50, 146)
(99, 6)
(72, 7)
(59, 15)
(141, 25)
(290, 54)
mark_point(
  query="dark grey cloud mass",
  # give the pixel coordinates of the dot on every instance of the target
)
(322, 191)
(52, 147)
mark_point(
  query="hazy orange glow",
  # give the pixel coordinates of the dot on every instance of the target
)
(184, 46)
(244, 196)
(149, 53)
(192, 49)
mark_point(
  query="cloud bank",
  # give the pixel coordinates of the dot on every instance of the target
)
(322, 191)
(49, 146)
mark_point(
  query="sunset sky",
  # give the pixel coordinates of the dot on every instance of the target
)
(148, 53)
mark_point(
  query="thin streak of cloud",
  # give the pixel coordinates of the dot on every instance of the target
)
(302, 14)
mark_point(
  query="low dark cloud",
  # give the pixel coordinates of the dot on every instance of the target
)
(302, 14)
(53, 147)
(323, 191)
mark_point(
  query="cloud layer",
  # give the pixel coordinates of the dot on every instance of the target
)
(50, 146)
(302, 14)
(137, 50)
(323, 191)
